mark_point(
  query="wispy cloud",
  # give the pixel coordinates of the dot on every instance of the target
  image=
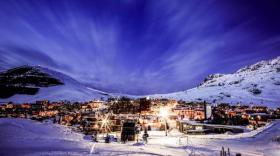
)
(135, 47)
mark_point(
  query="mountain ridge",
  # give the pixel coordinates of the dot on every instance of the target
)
(70, 89)
(258, 83)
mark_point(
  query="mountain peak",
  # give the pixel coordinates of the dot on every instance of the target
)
(258, 84)
(272, 64)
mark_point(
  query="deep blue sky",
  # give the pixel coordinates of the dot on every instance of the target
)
(139, 47)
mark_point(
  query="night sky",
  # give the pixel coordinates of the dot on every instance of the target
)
(139, 47)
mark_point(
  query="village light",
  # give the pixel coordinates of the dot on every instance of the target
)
(163, 112)
(105, 124)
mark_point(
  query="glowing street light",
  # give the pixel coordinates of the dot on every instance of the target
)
(163, 112)
(105, 123)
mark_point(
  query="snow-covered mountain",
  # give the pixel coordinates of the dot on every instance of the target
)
(67, 88)
(258, 84)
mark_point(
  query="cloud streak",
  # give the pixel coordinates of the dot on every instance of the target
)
(137, 47)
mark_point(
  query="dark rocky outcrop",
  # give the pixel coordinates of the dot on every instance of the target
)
(25, 80)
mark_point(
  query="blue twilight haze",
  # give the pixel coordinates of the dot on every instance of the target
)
(138, 46)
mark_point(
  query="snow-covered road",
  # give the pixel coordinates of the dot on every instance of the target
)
(27, 137)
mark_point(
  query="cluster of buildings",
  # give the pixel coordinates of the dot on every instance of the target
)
(117, 114)
(231, 118)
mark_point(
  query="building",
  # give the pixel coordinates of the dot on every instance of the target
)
(144, 105)
(192, 127)
(190, 113)
(208, 111)
(260, 109)
(48, 113)
(124, 106)
(95, 104)
(128, 130)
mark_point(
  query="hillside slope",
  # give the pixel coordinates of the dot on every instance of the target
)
(258, 84)
(66, 87)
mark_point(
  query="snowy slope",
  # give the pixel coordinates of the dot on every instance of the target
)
(32, 138)
(71, 90)
(27, 137)
(258, 83)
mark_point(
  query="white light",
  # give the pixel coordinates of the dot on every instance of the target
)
(163, 112)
